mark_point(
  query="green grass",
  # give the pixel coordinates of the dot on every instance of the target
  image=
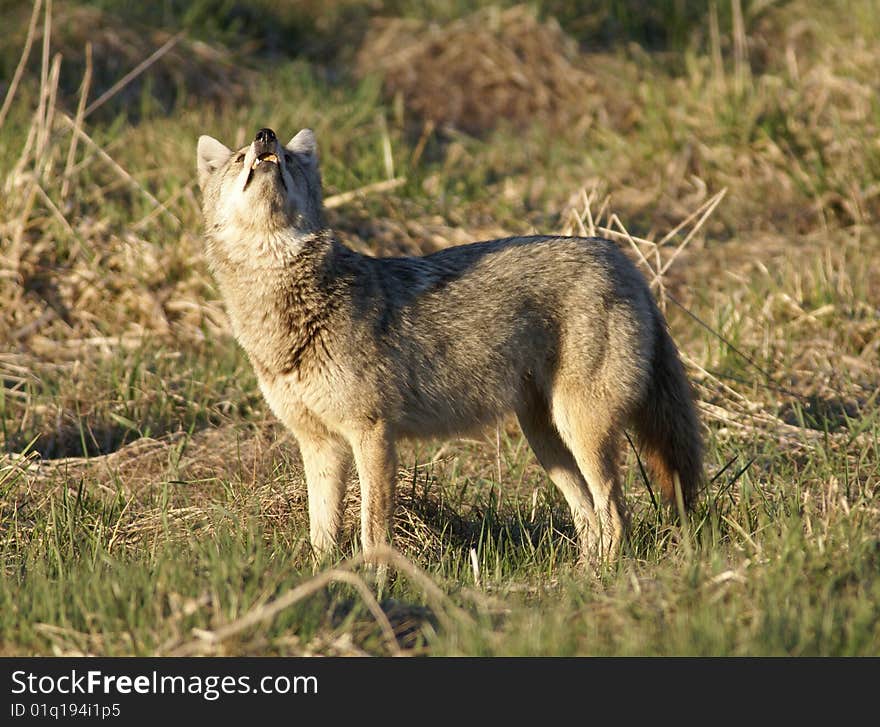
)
(147, 496)
(761, 569)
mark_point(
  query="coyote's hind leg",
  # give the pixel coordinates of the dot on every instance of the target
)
(561, 468)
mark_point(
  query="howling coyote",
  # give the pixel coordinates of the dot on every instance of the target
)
(354, 352)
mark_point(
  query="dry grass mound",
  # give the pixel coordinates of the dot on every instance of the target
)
(478, 70)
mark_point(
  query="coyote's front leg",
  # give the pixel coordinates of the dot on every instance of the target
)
(376, 461)
(326, 459)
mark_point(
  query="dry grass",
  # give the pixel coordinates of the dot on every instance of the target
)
(185, 71)
(473, 73)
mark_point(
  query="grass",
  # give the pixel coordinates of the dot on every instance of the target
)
(150, 504)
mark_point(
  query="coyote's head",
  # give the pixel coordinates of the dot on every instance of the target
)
(261, 201)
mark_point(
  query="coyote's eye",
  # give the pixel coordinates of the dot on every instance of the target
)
(239, 159)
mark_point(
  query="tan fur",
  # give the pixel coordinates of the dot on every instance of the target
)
(354, 353)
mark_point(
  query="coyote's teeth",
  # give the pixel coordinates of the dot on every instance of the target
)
(271, 158)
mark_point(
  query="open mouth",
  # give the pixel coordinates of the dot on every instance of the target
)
(265, 158)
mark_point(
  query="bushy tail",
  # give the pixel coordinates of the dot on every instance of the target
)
(667, 426)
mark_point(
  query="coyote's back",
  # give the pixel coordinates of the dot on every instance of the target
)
(354, 352)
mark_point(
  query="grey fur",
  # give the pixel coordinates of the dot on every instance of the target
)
(354, 353)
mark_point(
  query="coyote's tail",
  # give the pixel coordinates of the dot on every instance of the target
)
(666, 424)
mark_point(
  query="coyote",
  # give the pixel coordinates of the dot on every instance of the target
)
(354, 353)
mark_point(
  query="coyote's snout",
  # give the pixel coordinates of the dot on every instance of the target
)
(354, 353)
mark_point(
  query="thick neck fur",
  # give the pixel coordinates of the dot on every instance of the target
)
(280, 312)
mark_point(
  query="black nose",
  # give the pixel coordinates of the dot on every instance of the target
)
(265, 136)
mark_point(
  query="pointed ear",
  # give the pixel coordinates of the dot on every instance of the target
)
(304, 146)
(211, 154)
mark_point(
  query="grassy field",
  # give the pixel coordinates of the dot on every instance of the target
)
(149, 502)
